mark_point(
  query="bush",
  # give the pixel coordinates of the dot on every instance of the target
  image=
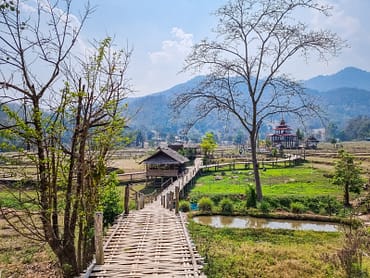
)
(205, 204)
(227, 206)
(320, 204)
(297, 207)
(184, 206)
(264, 206)
(251, 197)
(111, 201)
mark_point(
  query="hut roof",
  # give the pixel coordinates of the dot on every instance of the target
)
(312, 139)
(165, 156)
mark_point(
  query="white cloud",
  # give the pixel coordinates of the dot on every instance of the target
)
(161, 70)
(173, 50)
(25, 7)
(341, 21)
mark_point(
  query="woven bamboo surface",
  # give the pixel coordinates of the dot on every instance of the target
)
(151, 242)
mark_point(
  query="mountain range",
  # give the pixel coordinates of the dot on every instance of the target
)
(343, 95)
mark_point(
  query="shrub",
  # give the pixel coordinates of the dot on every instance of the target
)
(184, 206)
(264, 206)
(251, 197)
(205, 204)
(320, 204)
(111, 201)
(297, 207)
(227, 206)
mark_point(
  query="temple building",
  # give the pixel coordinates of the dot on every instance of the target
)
(283, 137)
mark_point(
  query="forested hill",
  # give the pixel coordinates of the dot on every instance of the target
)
(344, 95)
(347, 78)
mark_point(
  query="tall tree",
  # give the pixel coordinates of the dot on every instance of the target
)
(70, 130)
(347, 174)
(255, 39)
(208, 143)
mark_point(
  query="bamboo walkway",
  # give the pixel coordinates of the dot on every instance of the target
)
(151, 242)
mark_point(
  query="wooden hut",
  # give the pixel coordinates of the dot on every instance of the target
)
(311, 142)
(165, 162)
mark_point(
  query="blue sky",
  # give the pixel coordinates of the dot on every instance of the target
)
(161, 33)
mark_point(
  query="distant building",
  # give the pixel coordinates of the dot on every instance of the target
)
(165, 162)
(283, 137)
(311, 142)
(188, 150)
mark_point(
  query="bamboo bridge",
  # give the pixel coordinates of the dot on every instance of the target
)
(152, 241)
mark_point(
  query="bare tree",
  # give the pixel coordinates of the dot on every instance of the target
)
(70, 130)
(255, 39)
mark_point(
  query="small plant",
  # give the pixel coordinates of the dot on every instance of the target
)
(264, 206)
(251, 197)
(356, 245)
(297, 207)
(184, 206)
(227, 206)
(111, 201)
(205, 204)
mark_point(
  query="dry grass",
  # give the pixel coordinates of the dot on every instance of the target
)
(21, 257)
(127, 165)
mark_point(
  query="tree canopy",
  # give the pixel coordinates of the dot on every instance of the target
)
(208, 143)
(68, 127)
(244, 65)
(347, 174)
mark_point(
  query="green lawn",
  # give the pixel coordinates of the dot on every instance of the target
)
(298, 181)
(18, 199)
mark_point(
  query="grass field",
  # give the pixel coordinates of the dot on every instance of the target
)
(298, 181)
(268, 253)
(23, 258)
(273, 253)
(229, 252)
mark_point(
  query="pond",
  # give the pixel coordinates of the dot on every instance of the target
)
(219, 221)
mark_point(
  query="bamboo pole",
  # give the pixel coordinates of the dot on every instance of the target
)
(127, 198)
(171, 200)
(99, 251)
(177, 191)
(167, 200)
(137, 201)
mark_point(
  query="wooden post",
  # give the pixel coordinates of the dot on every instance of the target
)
(167, 200)
(127, 198)
(142, 201)
(171, 200)
(177, 191)
(137, 201)
(99, 252)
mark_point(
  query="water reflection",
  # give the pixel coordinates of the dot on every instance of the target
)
(252, 222)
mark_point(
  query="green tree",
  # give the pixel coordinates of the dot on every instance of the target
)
(71, 129)
(357, 128)
(299, 134)
(240, 138)
(208, 144)
(347, 174)
(139, 142)
(245, 63)
(110, 199)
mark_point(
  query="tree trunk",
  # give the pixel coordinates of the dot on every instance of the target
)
(346, 195)
(67, 259)
(256, 169)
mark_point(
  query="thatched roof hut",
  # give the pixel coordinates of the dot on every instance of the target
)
(165, 162)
